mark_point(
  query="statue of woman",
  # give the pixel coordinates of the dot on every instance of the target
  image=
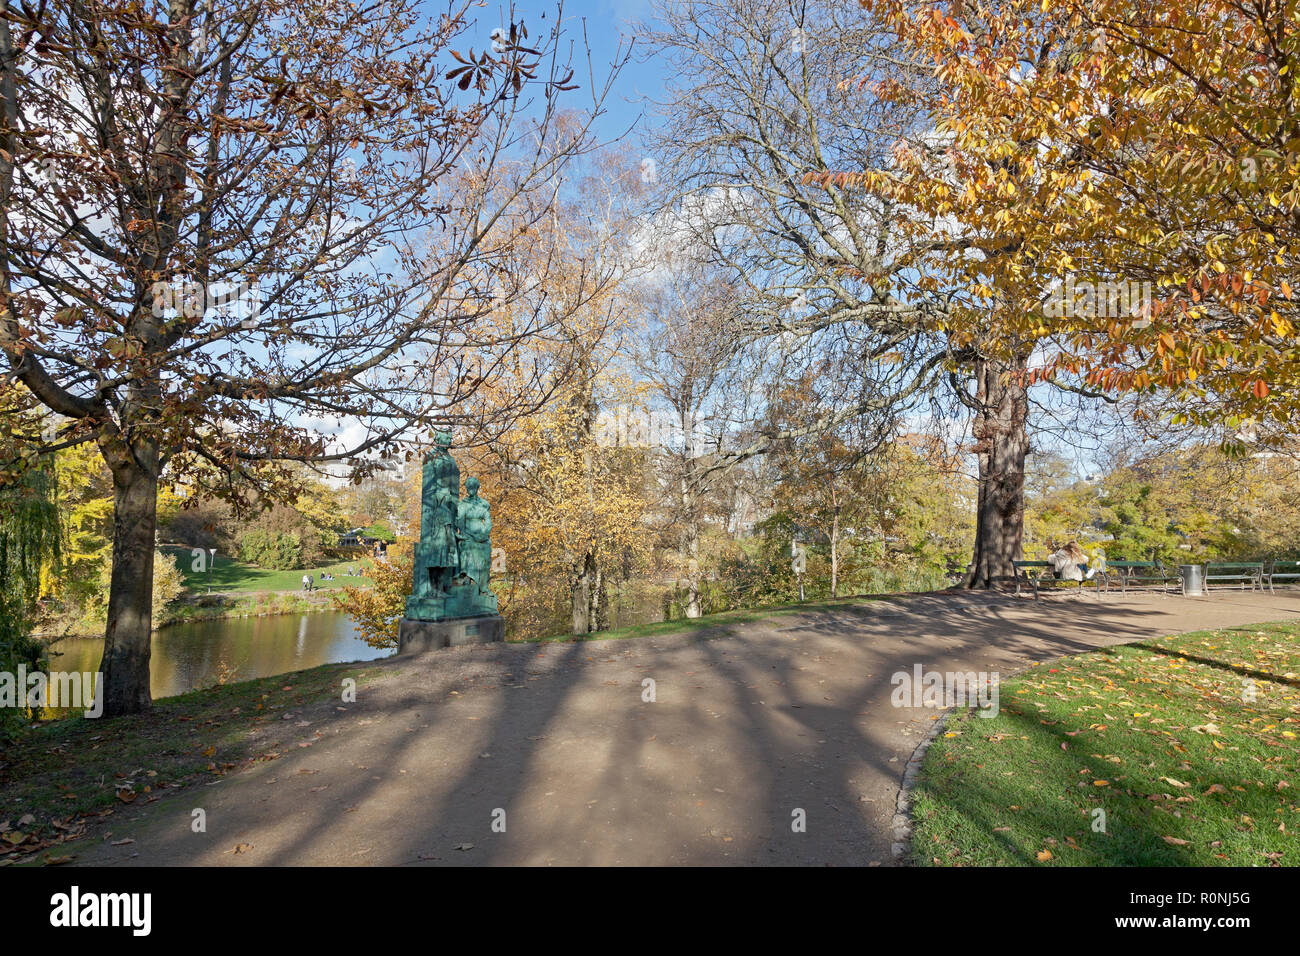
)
(475, 521)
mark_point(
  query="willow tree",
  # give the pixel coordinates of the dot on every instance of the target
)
(30, 544)
(232, 233)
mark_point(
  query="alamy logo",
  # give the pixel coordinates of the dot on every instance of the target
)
(57, 689)
(74, 909)
(922, 688)
(1100, 300)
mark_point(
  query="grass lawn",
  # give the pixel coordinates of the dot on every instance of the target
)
(1162, 736)
(229, 574)
(57, 777)
(720, 620)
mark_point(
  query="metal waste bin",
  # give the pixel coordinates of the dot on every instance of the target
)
(1193, 579)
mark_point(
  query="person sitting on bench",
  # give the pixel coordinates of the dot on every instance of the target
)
(1068, 563)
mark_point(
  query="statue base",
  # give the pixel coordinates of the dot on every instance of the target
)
(417, 637)
(462, 599)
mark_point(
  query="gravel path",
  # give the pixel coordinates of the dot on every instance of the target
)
(752, 727)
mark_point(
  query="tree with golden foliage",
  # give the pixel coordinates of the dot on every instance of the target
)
(377, 610)
(1118, 183)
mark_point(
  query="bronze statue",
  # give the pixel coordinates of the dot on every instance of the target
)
(475, 521)
(454, 555)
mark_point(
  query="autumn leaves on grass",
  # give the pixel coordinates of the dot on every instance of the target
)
(1177, 751)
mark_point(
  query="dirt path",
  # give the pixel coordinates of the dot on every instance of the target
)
(748, 726)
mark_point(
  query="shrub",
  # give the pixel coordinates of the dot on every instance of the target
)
(274, 550)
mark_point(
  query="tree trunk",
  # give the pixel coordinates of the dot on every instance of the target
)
(125, 664)
(1001, 442)
(600, 602)
(580, 596)
(691, 546)
(690, 517)
(587, 595)
(835, 546)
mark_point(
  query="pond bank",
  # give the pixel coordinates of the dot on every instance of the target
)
(196, 654)
(220, 606)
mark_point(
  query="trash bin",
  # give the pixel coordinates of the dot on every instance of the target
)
(1193, 579)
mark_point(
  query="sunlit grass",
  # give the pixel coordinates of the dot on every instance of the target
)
(229, 574)
(1188, 746)
(720, 620)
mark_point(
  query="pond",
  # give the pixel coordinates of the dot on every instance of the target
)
(186, 656)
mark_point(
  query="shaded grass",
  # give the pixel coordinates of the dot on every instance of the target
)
(64, 772)
(1186, 745)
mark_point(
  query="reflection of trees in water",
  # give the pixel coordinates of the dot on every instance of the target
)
(186, 656)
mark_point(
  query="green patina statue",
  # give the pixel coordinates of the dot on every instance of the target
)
(474, 524)
(454, 554)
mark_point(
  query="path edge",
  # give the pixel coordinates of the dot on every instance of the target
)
(902, 825)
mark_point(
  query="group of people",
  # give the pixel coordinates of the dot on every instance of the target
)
(309, 582)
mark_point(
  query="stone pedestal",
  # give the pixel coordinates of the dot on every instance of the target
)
(417, 637)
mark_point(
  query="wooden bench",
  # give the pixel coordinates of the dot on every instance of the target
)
(1046, 574)
(1240, 573)
(1142, 574)
(1283, 570)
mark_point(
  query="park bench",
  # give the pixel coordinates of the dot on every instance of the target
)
(1240, 573)
(955, 573)
(1035, 573)
(1283, 571)
(1142, 574)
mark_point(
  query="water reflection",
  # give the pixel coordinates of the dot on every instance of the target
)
(186, 656)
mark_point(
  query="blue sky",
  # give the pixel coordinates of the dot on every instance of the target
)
(607, 23)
